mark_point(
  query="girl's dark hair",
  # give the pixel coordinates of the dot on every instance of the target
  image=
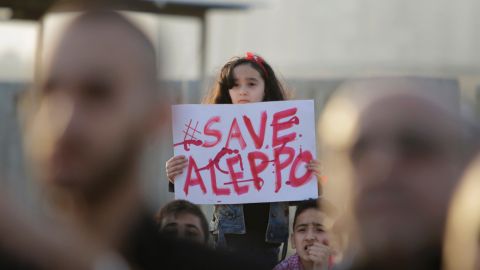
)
(321, 204)
(274, 90)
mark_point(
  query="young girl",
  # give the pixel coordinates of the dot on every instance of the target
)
(311, 237)
(260, 228)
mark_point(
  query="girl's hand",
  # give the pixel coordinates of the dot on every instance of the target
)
(319, 254)
(175, 166)
(315, 166)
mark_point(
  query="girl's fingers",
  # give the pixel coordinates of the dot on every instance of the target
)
(177, 167)
(177, 162)
(314, 163)
(316, 259)
(175, 173)
(171, 176)
(174, 164)
(313, 168)
(177, 157)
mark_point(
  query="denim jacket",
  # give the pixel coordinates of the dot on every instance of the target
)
(229, 219)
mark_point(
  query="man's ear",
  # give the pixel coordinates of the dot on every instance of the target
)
(292, 242)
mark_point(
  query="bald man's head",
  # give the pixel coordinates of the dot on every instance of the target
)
(110, 39)
(96, 104)
(407, 156)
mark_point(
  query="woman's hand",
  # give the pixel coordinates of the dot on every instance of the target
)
(175, 166)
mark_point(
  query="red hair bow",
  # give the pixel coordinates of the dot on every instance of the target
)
(257, 59)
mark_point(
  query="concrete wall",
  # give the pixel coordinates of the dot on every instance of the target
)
(14, 174)
(312, 38)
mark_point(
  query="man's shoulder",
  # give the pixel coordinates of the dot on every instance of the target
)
(7, 262)
(180, 254)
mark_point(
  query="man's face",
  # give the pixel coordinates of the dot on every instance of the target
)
(183, 225)
(309, 229)
(405, 167)
(92, 109)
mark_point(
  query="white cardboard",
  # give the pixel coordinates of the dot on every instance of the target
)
(196, 117)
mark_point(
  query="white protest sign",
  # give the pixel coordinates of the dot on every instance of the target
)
(245, 153)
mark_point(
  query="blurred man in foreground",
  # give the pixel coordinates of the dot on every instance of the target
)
(462, 240)
(94, 108)
(407, 150)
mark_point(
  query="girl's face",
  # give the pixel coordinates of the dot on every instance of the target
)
(249, 86)
(309, 229)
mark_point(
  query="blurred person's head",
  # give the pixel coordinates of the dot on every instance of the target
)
(406, 152)
(406, 161)
(311, 224)
(183, 219)
(462, 240)
(96, 105)
(339, 238)
(246, 79)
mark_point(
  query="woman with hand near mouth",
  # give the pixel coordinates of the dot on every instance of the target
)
(255, 229)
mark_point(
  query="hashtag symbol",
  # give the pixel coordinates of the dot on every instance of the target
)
(190, 131)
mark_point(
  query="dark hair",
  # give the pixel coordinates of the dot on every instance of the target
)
(320, 204)
(178, 207)
(219, 94)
